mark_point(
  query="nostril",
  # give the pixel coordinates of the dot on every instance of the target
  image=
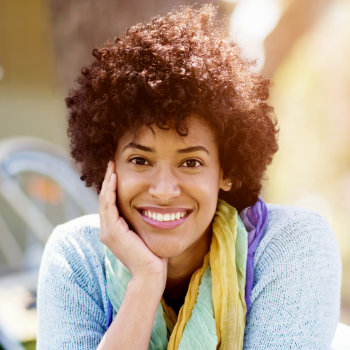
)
(164, 190)
(164, 184)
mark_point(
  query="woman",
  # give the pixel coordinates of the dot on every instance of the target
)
(182, 125)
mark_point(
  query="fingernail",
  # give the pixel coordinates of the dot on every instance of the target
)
(109, 164)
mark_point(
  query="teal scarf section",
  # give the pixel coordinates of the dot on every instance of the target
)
(200, 330)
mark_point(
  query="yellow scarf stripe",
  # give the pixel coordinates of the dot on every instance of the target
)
(227, 259)
(229, 306)
(169, 316)
(186, 309)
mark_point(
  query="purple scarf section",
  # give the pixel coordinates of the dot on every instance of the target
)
(254, 219)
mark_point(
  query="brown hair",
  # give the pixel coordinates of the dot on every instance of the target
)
(160, 73)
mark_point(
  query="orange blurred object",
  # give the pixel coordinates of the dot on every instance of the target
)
(44, 190)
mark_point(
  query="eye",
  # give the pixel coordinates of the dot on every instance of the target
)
(139, 161)
(192, 163)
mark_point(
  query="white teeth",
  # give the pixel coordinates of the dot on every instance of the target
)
(164, 217)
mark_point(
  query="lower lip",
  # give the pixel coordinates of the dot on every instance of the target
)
(164, 224)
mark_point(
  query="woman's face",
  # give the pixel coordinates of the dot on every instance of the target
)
(168, 186)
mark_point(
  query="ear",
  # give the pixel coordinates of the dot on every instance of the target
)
(225, 183)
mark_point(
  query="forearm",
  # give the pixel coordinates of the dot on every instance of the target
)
(132, 326)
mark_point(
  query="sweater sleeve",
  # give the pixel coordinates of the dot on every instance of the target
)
(72, 297)
(297, 275)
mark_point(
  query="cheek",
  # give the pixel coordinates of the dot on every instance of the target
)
(128, 187)
(208, 186)
(205, 192)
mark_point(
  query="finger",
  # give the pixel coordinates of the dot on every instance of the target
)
(103, 188)
(107, 188)
(110, 198)
(108, 174)
(101, 198)
(107, 208)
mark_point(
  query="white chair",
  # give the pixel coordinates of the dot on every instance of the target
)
(341, 339)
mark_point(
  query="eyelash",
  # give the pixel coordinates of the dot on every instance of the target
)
(193, 160)
(136, 161)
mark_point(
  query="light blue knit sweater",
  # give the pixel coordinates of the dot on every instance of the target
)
(295, 300)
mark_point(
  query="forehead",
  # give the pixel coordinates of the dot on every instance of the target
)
(199, 132)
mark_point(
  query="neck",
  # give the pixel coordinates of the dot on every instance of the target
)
(181, 269)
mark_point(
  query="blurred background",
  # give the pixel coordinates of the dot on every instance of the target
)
(302, 46)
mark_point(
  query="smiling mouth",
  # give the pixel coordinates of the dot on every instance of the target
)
(164, 218)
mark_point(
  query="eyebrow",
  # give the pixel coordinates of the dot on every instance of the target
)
(193, 149)
(149, 149)
(138, 146)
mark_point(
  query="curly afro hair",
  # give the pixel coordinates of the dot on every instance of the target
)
(159, 73)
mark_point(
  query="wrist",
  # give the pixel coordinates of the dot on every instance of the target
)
(152, 286)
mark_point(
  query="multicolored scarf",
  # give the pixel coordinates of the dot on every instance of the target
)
(213, 314)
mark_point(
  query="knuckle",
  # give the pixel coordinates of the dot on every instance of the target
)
(105, 205)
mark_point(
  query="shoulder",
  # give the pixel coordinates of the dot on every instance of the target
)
(78, 234)
(292, 217)
(290, 228)
(72, 287)
(76, 242)
(297, 274)
(296, 239)
(73, 259)
(78, 227)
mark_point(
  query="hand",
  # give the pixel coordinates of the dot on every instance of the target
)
(125, 244)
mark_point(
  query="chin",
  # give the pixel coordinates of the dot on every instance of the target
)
(164, 250)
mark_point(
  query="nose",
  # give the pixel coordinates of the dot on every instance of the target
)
(164, 184)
